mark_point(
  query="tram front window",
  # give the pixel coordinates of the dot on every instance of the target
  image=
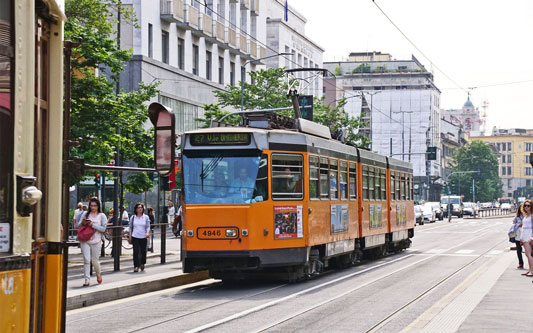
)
(225, 179)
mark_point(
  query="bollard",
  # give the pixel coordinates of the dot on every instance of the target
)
(163, 242)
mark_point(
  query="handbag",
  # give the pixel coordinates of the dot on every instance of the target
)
(85, 233)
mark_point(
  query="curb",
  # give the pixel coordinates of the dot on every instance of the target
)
(107, 295)
(109, 260)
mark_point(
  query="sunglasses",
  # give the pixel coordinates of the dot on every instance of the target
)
(527, 205)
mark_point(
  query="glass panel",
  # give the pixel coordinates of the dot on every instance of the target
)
(353, 181)
(225, 179)
(377, 186)
(371, 193)
(333, 173)
(313, 177)
(383, 185)
(6, 137)
(365, 182)
(343, 180)
(287, 175)
(392, 188)
(398, 188)
(324, 187)
(404, 187)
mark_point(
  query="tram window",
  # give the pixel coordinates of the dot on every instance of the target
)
(353, 181)
(313, 177)
(333, 181)
(392, 189)
(371, 183)
(412, 196)
(383, 185)
(287, 175)
(397, 187)
(365, 182)
(343, 180)
(404, 187)
(377, 186)
(324, 175)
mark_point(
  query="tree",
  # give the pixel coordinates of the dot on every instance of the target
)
(269, 92)
(102, 117)
(472, 157)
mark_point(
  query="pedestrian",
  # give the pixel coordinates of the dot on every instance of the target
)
(516, 232)
(90, 249)
(526, 236)
(125, 217)
(78, 211)
(171, 212)
(139, 232)
(150, 213)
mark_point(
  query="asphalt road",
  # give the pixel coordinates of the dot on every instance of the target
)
(384, 295)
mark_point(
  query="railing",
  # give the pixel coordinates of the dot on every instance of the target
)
(262, 52)
(220, 32)
(253, 48)
(207, 24)
(191, 16)
(494, 212)
(173, 8)
(232, 37)
(243, 43)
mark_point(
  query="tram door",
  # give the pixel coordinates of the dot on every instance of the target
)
(40, 148)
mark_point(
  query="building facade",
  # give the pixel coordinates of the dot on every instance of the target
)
(468, 118)
(401, 104)
(452, 137)
(288, 36)
(513, 147)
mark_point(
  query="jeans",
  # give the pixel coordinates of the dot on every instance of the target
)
(91, 253)
(519, 253)
(139, 251)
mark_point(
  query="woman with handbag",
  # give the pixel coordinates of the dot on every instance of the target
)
(526, 236)
(139, 232)
(91, 226)
(516, 233)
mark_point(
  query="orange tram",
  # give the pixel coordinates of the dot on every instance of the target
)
(289, 202)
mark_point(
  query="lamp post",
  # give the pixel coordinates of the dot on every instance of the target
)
(243, 78)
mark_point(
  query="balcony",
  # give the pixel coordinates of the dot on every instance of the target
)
(172, 11)
(191, 17)
(253, 49)
(262, 52)
(205, 25)
(232, 38)
(245, 4)
(254, 10)
(243, 43)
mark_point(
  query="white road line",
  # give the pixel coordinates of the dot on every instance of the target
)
(435, 251)
(464, 251)
(305, 291)
(495, 252)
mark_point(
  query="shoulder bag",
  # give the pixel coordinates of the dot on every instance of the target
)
(85, 233)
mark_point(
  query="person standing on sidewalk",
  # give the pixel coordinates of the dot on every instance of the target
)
(517, 233)
(90, 249)
(139, 232)
(526, 236)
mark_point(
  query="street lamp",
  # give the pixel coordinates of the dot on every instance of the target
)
(243, 78)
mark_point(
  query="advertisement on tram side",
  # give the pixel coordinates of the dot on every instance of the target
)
(288, 222)
(339, 218)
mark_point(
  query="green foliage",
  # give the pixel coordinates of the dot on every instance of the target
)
(269, 92)
(363, 68)
(473, 156)
(100, 116)
(338, 70)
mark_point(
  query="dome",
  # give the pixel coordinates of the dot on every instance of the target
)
(468, 103)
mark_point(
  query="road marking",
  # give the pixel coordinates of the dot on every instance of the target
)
(495, 252)
(464, 251)
(436, 251)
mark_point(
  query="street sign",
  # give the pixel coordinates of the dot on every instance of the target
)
(306, 106)
(432, 153)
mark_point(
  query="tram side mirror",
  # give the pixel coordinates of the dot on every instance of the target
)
(164, 144)
(27, 194)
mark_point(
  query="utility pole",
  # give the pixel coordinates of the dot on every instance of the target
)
(428, 164)
(473, 190)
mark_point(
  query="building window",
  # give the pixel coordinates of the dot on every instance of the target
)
(208, 64)
(164, 47)
(508, 146)
(528, 182)
(244, 21)
(181, 53)
(221, 11)
(150, 41)
(508, 171)
(195, 56)
(528, 171)
(498, 145)
(503, 158)
(253, 27)
(220, 70)
(504, 146)
(232, 73)
(529, 146)
(287, 175)
(504, 171)
(526, 159)
(186, 114)
(209, 7)
(508, 158)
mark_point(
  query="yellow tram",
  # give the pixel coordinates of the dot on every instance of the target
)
(289, 202)
(31, 111)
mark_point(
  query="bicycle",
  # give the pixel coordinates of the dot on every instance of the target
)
(124, 237)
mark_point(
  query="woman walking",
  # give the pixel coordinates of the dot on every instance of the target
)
(139, 232)
(517, 233)
(95, 219)
(526, 236)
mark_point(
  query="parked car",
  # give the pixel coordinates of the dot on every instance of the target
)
(470, 209)
(505, 206)
(428, 214)
(486, 205)
(439, 214)
(418, 215)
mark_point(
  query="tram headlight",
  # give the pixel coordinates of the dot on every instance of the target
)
(231, 233)
(190, 233)
(244, 232)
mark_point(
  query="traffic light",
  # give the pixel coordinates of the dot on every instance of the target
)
(431, 153)
(97, 180)
(306, 106)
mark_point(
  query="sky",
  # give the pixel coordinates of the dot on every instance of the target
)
(476, 43)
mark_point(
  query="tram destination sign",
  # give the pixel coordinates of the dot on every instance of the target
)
(220, 139)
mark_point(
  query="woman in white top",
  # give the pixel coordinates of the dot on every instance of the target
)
(91, 248)
(526, 236)
(139, 232)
